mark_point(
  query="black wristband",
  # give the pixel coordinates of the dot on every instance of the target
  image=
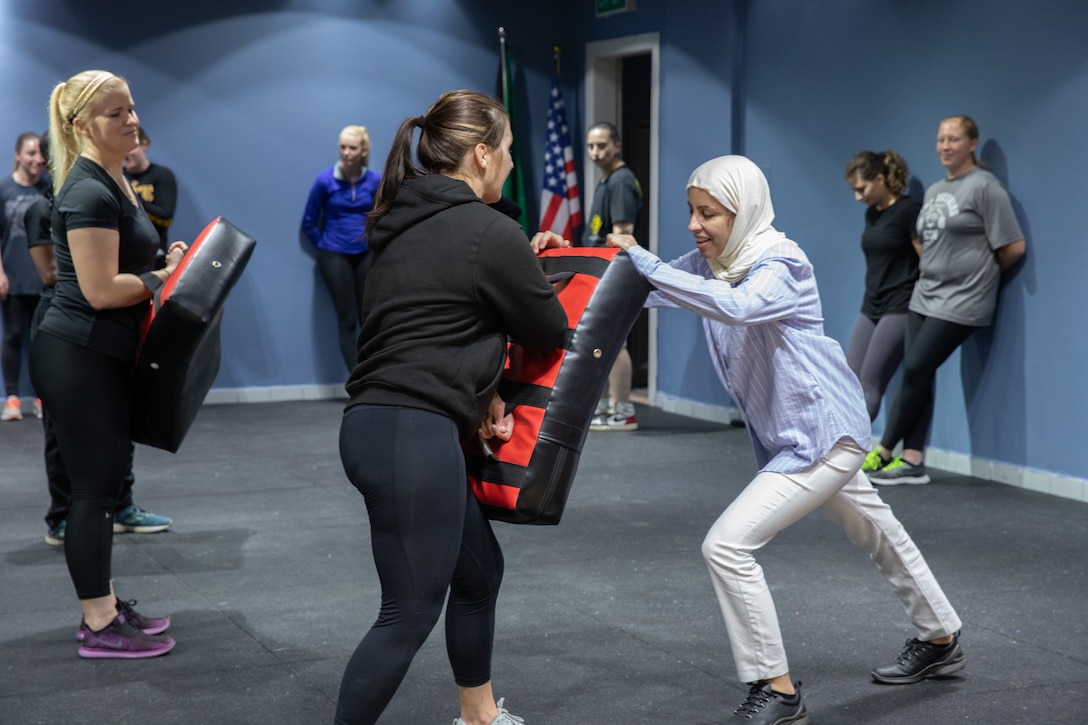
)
(152, 281)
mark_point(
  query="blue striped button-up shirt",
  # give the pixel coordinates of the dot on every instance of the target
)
(766, 338)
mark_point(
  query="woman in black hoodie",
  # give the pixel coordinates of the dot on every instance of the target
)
(452, 280)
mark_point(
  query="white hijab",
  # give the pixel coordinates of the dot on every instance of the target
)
(740, 187)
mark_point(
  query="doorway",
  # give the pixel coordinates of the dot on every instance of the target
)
(622, 87)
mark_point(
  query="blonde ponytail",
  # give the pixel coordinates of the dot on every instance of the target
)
(68, 101)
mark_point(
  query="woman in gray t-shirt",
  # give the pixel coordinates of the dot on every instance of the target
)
(969, 234)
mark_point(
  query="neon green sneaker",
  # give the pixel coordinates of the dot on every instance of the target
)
(873, 462)
(898, 472)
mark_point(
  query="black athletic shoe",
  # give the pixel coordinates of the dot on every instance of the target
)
(920, 660)
(764, 706)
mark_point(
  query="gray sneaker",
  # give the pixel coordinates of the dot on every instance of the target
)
(504, 717)
(898, 472)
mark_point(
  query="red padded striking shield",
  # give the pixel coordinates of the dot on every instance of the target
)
(179, 357)
(527, 479)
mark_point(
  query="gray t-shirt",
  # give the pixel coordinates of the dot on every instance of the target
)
(962, 222)
(15, 199)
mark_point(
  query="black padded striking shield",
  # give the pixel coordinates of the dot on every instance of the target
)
(527, 479)
(179, 357)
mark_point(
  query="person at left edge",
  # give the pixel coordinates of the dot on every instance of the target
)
(334, 221)
(452, 281)
(84, 348)
(18, 283)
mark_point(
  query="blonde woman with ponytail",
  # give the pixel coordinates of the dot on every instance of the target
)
(890, 244)
(83, 351)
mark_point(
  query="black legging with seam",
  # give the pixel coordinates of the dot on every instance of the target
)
(88, 395)
(930, 342)
(428, 536)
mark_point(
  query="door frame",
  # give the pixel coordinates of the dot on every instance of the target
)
(603, 102)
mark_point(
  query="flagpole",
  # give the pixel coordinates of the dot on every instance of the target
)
(555, 54)
(502, 63)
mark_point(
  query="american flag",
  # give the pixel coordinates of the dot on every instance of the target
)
(560, 210)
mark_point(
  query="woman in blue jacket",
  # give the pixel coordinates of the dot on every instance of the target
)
(334, 222)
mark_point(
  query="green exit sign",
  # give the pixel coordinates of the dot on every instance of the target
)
(611, 7)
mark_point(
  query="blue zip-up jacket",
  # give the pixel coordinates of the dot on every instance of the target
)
(335, 216)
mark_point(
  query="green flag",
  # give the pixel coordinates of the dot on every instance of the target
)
(513, 190)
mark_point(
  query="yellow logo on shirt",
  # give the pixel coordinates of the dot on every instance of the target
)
(595, 225)
(145, 191)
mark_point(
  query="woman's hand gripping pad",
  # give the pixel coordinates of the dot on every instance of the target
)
(527, 479)
(179, 356)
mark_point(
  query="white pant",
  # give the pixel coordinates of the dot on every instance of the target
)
(773, 501)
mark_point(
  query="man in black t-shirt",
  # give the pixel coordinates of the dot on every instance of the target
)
(616, 204)
(155, 185)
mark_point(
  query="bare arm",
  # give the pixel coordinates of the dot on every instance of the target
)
(45, 262)
(917, 244)
(94, 255)
(1008, 255)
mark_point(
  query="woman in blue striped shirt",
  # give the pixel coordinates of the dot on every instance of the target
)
(755, 290)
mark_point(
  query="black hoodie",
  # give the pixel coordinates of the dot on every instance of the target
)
(451, 281)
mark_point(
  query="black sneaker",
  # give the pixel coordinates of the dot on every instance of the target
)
(764, 706)
(920, 660)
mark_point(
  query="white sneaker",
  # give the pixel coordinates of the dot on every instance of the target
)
(504, 717)
(622, 419)
(13, 409)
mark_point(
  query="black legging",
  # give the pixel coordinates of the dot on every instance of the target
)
(428, 536)
(929, 343)
(18, 315)
(88, 395)
(60, 488)
(345, 276)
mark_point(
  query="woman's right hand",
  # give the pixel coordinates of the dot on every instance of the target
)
(174, 255)
(497, 423)
(548, 240)
(623, 241)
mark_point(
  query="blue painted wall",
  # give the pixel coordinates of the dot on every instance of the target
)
(244, 102)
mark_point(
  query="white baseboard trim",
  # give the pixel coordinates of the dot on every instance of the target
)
(1026, 478)
(275, 394)
(693, 409)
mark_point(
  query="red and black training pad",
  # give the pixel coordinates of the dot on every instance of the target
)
(526, 480)
(179, 357)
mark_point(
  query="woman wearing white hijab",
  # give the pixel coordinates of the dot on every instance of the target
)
(805, 410)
